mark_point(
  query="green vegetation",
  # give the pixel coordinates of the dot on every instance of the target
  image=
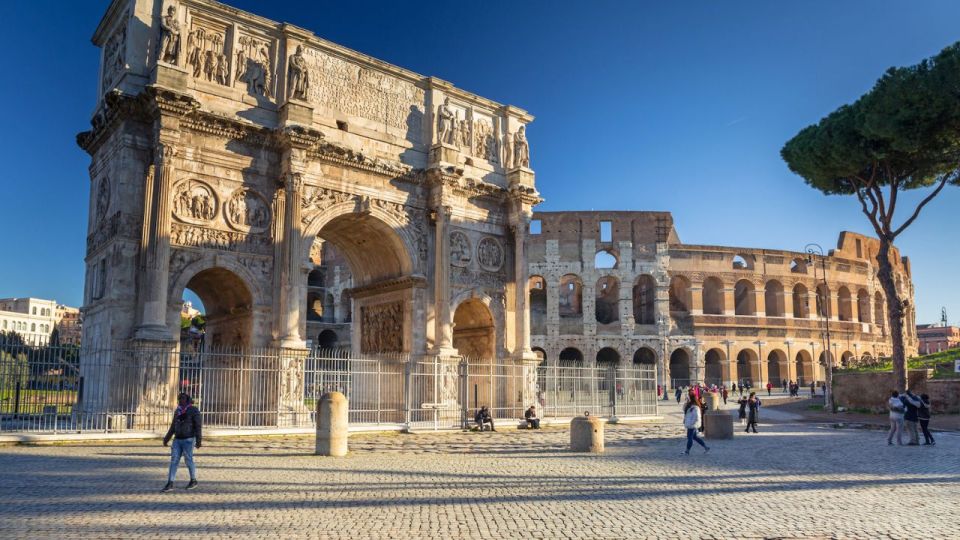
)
(941, 362)
(899, 136)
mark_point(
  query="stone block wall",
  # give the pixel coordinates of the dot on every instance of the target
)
(872, 390)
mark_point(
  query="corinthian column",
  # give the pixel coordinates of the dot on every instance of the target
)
(444, 319)
(155, 246)
(288, 237)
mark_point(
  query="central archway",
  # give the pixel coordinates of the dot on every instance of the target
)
(474, 334)
(375, 282)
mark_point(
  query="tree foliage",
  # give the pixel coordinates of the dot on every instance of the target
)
(902, 134)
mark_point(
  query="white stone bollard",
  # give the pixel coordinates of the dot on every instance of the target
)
(332, 425)
(586, 434)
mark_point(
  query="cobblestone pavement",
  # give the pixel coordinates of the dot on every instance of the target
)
(791, 480)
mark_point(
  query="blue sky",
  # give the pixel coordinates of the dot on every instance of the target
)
(679, 106)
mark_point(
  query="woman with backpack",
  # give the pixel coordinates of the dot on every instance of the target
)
(691, 421)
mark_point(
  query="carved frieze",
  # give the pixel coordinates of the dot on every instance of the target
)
(192, 236)
(472, 278)
(318, 198)
(254, 65)
(485, 140)
(461, 251)
(114, 51)
(247, 211)
(490, 254)
(117, 225)
(352, 89)
(194, 202)
(381, 328)
(205, 52)
(102, 205)
(260, 267)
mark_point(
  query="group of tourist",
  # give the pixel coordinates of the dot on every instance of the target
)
(906, 411)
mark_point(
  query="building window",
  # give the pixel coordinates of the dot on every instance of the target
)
(606, 231)
(34, 310)
(536, 226)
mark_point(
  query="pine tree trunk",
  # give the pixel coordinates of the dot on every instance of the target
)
(894, 314)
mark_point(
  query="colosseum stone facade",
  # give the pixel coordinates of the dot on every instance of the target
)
(621, 288)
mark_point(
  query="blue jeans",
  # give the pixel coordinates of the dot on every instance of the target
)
(692, 436)
(182, 447)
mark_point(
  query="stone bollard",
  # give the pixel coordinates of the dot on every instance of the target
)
(586, 434)
(718, 425)
(332, 425)
(713, 401)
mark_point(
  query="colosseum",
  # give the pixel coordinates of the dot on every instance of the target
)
(620, 288)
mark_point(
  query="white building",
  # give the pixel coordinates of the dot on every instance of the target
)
(34, 319)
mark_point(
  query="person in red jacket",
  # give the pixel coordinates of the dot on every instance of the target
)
(769, 387)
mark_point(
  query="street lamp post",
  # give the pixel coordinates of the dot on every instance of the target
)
(815, 249)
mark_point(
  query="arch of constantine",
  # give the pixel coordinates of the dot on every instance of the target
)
(228, 151)
(313, 196)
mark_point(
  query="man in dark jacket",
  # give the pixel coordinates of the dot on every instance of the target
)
(187, 433)
(911, 405)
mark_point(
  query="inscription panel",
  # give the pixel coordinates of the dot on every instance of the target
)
(358, 91)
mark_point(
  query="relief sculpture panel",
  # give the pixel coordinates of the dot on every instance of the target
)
(247, 210)
(381, 328)
(194, 202)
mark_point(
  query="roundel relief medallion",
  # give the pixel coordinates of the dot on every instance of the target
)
(460, 249)
(247, 211)
(194, 202)
(490, 254)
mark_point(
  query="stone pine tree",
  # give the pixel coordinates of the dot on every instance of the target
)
(904, 134)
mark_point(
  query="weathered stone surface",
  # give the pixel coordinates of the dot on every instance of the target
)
(586, 434)
(332, 425)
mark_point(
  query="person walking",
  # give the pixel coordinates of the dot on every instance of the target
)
(733, 387)
(723, 393)
(923, 414)
(742, 413)
(911, 404)
(769, 388)
(784, 384)
(895, 405)
(753, 412)
(813, 389)
(186, 430)
(678, 394)
(692, 415)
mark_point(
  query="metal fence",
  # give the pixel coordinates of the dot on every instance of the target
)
(68, 389)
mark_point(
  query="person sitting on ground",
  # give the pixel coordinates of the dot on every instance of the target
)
(895, 405)
(923, 413)
(483, 417)
(531, 417)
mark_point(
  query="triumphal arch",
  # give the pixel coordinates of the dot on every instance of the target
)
(227, 149)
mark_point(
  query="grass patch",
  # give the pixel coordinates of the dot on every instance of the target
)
(941, 363)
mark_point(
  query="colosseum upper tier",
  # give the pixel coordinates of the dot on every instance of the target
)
(621, 288)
